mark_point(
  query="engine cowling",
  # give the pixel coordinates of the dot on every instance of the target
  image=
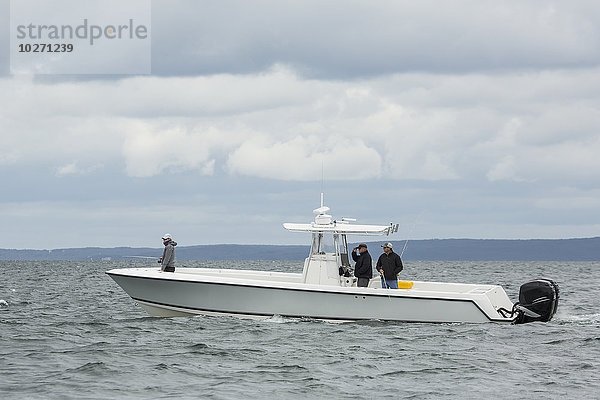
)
(538, 301)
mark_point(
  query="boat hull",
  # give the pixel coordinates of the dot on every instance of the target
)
(164, 294)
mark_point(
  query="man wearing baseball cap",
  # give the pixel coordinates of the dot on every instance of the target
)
(389, 266)
(168, 258)
(363, 269)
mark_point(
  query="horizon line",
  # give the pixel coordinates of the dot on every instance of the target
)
(281, 245)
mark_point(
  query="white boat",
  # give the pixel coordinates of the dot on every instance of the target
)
(326, 289)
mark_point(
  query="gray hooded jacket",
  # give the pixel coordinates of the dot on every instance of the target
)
(168, 257)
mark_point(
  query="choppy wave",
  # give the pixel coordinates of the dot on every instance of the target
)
(584, 318)
(77, 335)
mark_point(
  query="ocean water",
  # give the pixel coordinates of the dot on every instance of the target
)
(67, 331)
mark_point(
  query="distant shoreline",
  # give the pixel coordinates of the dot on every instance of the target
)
(579, 249)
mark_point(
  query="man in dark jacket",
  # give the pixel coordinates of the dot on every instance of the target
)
(389, 266)
(168, 257)
(363, 269)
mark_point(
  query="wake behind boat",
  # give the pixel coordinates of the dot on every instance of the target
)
(326, 288)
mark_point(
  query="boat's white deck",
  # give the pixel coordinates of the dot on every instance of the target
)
(244, 274)
(272, 277)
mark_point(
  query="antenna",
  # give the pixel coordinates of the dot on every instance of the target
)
(321, 211)
(322, 179)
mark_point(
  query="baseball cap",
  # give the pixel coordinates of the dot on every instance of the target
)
(387, 244)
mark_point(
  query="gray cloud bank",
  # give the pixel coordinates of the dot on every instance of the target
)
(349, 39)
(481, 117)
(358, 39)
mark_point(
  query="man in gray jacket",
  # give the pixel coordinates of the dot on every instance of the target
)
(168, 257)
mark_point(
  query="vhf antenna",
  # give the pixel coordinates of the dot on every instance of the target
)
(322, 179)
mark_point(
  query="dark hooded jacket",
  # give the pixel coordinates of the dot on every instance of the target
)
(364, 265)
(168, 257)
(391, 264)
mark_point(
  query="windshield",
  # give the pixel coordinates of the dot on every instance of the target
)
(322, 244)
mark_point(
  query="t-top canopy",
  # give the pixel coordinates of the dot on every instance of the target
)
(324, 223)
(343, 228)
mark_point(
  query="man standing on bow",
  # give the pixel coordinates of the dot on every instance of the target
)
(389, 266)
(168, 257)
(364, 265)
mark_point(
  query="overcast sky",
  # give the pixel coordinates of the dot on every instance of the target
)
(457, 119)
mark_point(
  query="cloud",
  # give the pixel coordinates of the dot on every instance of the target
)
(504, 170)
(152, 97)
(366, 39)
(149, 150)
(511, 126)
(306, 159)
(73, 168)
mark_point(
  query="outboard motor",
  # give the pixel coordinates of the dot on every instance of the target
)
(538, 301)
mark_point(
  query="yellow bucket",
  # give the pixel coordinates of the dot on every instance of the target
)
(405, 284)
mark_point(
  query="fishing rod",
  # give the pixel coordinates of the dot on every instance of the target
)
(401, 253)
(409, 233)
(404, 248)
(150, 258)
(386, 285)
